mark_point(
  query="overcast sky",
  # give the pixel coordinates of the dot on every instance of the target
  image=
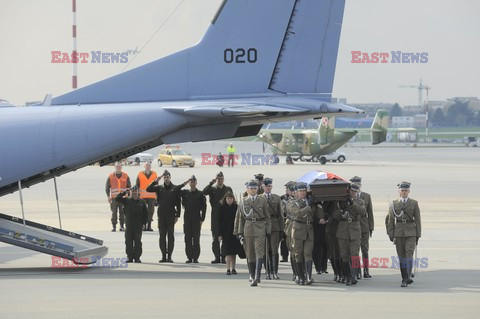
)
(449, 30)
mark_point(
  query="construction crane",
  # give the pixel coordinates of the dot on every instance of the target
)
(420, 87)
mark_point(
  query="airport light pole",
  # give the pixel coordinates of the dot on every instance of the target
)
(427, 137)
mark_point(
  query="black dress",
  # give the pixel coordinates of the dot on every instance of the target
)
(227, 220)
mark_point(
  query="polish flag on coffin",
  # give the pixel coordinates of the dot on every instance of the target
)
(312, 176)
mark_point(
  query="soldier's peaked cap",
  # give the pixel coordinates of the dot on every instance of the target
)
(301, 186)
(354, 187)
(356, 179)
(220, 174)
(193, 178)
(252, 184)
(267, 181)
(166, 173)
(404, 185)
(259, 177)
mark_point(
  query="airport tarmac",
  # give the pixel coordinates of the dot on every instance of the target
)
(444, 181)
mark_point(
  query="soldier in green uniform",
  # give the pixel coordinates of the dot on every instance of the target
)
(349, 232)
(252, 226)
(366, 224)
(136, 216)
(215, 194)
(332, 241)
(288, 227)
(259, 180)
(275, 211)
(304, 212)
(195, 205)
(405, 229)
(168, 214)
(285, 198)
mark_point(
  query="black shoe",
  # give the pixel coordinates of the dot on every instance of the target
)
(404, 283)
(114, 228)
(228, 272)
(169, 260)
(149, 229)
(189, 261)
(121, 228)
(319, 272)
(216, 261)
(325, 271)
(195, 261)
(335, 277)
(234, 272)
(163, 260)
(366, 274)
(129, 261)
(284, 260)
(138, 261)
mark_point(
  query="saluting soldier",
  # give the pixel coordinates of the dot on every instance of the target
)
(289, 217)
(366, 224)
(275, 211)
(349, 232)
(405, 229)
(285, 198)
(195, 205)
(305, 212)
(168, 214)
(136, 215)
(253, 225)
(216, 193)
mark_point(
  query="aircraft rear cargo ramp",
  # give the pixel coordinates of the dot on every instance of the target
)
(49, 240)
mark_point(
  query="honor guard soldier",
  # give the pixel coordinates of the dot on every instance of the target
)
(168, 213)
(259, 180)
(253, 226)
(195, 205)
(332, 242)
(288, 229)
(136, 215)
(276, 217)
(144, 179)
(304, 213)
(349, 232)
(117, 182)
(404, 229)
(285, 198)
(215, 194)
(366, 224)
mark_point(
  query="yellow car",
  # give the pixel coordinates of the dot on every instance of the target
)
(175, 156)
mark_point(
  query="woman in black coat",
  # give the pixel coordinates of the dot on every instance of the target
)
(230, 242)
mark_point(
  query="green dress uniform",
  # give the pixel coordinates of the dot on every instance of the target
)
(168, 210)
(283, 243)
(349, 235)
(136, 216)
(304, 216)
(405, 228)
(252, 222)
(195, 205)
(274, 204)
(288, 235)
(215, 194)
(366, 224)
(332, 241)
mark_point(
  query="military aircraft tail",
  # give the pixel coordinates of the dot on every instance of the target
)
(379, 127)
(251, 47)
(326, 130)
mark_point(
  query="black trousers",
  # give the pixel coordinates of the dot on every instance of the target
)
(191, 229)
(133, 241)
(166, 225)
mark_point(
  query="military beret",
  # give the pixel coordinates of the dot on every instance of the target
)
(193, 178)
(166, 173)
(220, 174)
(267, 181)
(356, 179)
(404, 185)
(252, 184)
(354, 187)
(259, 177)
(301, 186)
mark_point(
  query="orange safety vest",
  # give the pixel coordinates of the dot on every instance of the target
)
(117, 185)
(144, 182)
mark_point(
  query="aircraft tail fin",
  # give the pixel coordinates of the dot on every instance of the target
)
(379, 127)
(326, 130)
(251, 47)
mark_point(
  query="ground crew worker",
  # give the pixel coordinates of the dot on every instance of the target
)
(116, 183)
(304, 212)
(285, 198)
(231, 155)
(366, 224)
(275, 210)
(349, 232)
(136, 215)
(253, 225)
(405, 229)
(144, 179)
(215, 194)
(195, 205)
(332, 241)
(288, 228)
(168, 213)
